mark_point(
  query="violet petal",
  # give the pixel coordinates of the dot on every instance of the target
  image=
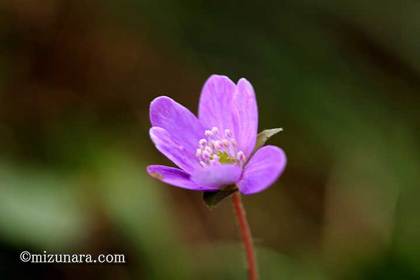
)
(262, 170)
(178, 121)
(175, 177)
(176, 152)
(245, 105)
(217, 176)
(215, 108)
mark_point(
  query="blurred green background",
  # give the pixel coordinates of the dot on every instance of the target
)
(341, 77)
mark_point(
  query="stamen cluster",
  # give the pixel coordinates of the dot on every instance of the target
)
(219, 148)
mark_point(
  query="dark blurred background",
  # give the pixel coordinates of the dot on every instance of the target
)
(341, 77)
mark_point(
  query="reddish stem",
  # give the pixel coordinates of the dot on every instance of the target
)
(245, 235)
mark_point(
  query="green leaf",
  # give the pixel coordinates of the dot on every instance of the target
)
(264, 135)
(211, 199)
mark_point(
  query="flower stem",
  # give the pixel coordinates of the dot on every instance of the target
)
(245, 235)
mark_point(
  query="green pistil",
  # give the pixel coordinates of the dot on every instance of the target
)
(224, 158)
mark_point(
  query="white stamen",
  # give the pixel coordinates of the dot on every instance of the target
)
(208, 150)
(198, 152)
(225, 143)
(215, 144)
(206, 155)
(228, 133)
(202, 142)
(240, 156)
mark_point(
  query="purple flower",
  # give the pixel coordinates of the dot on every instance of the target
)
(216, 149)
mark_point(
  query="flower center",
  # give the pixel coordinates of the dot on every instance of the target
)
(219, 148)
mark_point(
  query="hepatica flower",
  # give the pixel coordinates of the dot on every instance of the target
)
(216, 149)
(218, 152)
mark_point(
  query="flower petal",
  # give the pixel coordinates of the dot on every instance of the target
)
(262, 170)
(215, 108)
(178, 121)
(217, 176)
(246, 112)
(175, 177)
(176, 152)
(228, 106)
